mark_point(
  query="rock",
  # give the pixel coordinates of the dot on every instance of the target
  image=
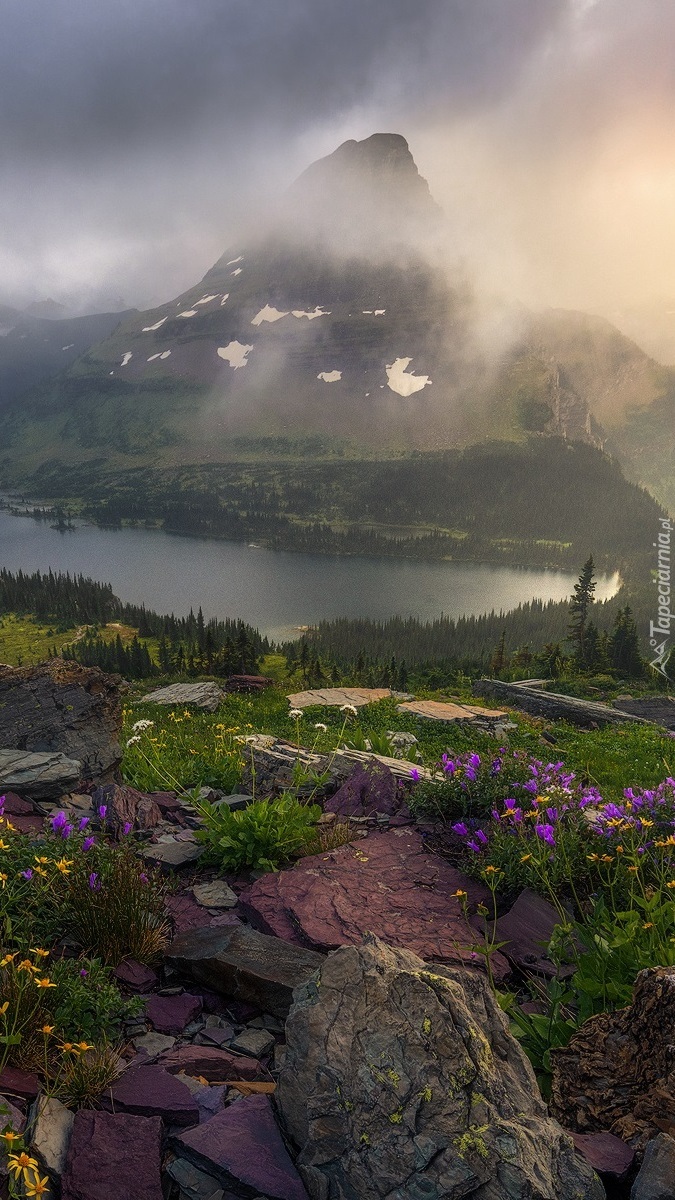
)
(401, 739)
(236, 802)
(337, 697)
(256, 1042)
(194, 695)
(608, 1155)
(615, 1075)
(135, 976)
(11, 1115)
(31, 825)
(371, 788)
(154, 1043)
(245, 965)
(113, 1154)
(527, 929)
(404, 1082)
(194, 1184)
(170, 1014)
(450, 711)
(275, 764)
(659, 709)
(15, 1082)
(126, 809)
(216, 1037)
(60, 707)
(186, 914)
(656, 1178)
(51, 1128)
(174, 854)
(216, 894)
(152, 1092)
(210, 1100)
(387, 885)
(243, 1149)
(16, 806)
(551, 705)
(217, 1066)
(42, 776)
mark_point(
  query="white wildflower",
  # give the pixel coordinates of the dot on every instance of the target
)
(140, 725)
(251, 739)
(349, 708)
(323, 728)
(133, 740)
(296, 713)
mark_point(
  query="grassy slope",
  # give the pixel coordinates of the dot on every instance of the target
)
(25, 641)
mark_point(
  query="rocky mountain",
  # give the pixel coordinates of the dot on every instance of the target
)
(343, 320)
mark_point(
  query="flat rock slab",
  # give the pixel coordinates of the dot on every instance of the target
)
(170, 1014)
(216, 894)
(52, 1125)
(186, 914)
(243, 964)
(152, 1092)
(172, 855)
(336, 697)
(370, 789)
(656, 1179)
(193, 1183)
(608, 1155)
(243, 1149)
(113, 1155)
(135, 976)
(40, 776)
(659, 709)
(527, 929)
(193, 695)
(449, 710)
(15, 1082)
(387, 885)
(216, 1066)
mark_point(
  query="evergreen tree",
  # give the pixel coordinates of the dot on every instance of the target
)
(624, 646)
(580, 607)
(500, 659)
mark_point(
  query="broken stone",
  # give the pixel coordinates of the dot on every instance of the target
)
(216, 1037)
(15, 1082)
(42, 776)
(242, 1147)
(388, 885)
(152, 1092)
(193, 1183)
(370, 789)
(256, 1042)
(608, 1155)
(15, 806)
(236, 802)
(126, 809)
(193, 695)
(245, 965)
(217, 1066)
(216, 894)
(135, 976)
(51, 1128)
(402, 1080)
(154, 1043)
(527, 929)
(173, 854)
(170, 1014)
(656, 1178)
(113, 1154)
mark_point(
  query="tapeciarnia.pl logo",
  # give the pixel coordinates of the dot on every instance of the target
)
(659, 630)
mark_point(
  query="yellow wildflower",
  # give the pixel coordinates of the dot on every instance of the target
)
(3, 845)
(459, 894)
(39, 951)
(671, 884)
(44, 983)
(47, 1029)
(63, 864)
(26, 965)
(36, 1186)
(3, 878)
(607, 858)
(493, 871)
(10, 1136)
(648, 925)
(632, 870)
(593, 857)
(525, 858)
(8, 959)
(84, 1046)
(3, 1008)
(21, 1162)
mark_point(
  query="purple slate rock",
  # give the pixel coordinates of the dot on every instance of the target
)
(215, 1037)
(210, 1101)
(31, 823)
(135, 976)
(15, 806)
(16, 1082)
(369, 790)
(242, 1148)
(113, 1155)
(606, 1154)
(152, 1092)
(218, 1066)
(186, 914)
(527, 929)
(11, 1115)
(170, 1014)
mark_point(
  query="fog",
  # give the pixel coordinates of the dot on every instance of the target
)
(138, 141)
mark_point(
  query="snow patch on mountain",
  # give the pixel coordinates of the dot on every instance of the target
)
(235, 353)
(318, 312)
(268, 313)
(126, 358)
(152, 328)
(330, 376)
(402, 381)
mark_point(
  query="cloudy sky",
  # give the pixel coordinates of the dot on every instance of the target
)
(137, 135)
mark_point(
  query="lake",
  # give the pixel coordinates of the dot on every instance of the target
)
(276, 591)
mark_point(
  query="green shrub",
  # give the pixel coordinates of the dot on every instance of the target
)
(116, 906)
(260, 837)
(86, 1003)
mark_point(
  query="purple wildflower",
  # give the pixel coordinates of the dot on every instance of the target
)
(83, 973)
(414, 774)
(66, 831)
(127, 828)
(143, 877)
(84, 821)
(474, 846)
(460, 829)
(94, 882)
(88, 843)
(28, 874)
(546, 833)
(103, 808)
(482, 837)
(58, 821)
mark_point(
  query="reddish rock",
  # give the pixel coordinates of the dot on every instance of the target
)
(152, 1092)
(369, 790)
(126, 809)
(170, 1014)
(527, 929)
(31, 823)
(15, 806)
(186, 914)
(608, 1155)
(136, 976)
(387, 885)
(167, 802)
(217, 1066)
(242, 1148)
(15, 1082)
(113, 1155)
(245, 965)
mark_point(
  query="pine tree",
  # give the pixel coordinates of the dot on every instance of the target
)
(580, 606)
(624, 645)
(500, 659)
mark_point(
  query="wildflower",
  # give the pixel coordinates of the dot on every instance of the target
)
(349, 708)
(66, 831)
(295, 713)
(84, 1046)
(493, 870)
(546, 833)
(607, 858)
(482, 837)
(41, 859)
(3, 845)
(127, 827)
(132, 741)
(58, 821)
(84, 821)
(63, 864)
(8, 959)
(671, 884)
(45, 983)
(83, 973)
(3, 878)
(10, 1136)
(36, 1186)
(3, 1008)
(21, 1162)
(27, 965)
(144, 724)
(414, 774)
(68, 1047)
(94, 882)
(103, 808)
(460, 829)
(474, 846)
(632, 870)
(143, 877)
(47, 1029)
(648, 925)
(27, 874)
(322, 727)
(526, 858)
(459, 894)
(88, 843)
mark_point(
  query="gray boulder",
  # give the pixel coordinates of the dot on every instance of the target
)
(38, 776)
(194, 695)
(63, 708)
(656, 1178)
(402, 1082)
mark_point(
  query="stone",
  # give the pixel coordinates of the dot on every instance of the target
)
(210, 1100)
(243, 1148)
(401, 739)
(113, 1154)
(256, 1042)
(15, 1082)
(31, 824)
(16, 806)
(527, 929)
(217, 1066)
(11, 1115)
(170, 1014)
(135, 976)
(193, 695)
(337, 697)
(154, 1043)
(41, 776)
(387, 885)
(152, 1092)
(449, 711)
(245, 965)
(552, 706)
(216, 1037)
(174, 854)
(615, 1074)
(404, 1082)
(608, 1155)
(59, 707)
(235, 802)
(659, 709)
(193, 1183)
(216, 894)
(51, 1128)
(656, 1177)
(371, 788)
(187, 914)
(126, 809)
